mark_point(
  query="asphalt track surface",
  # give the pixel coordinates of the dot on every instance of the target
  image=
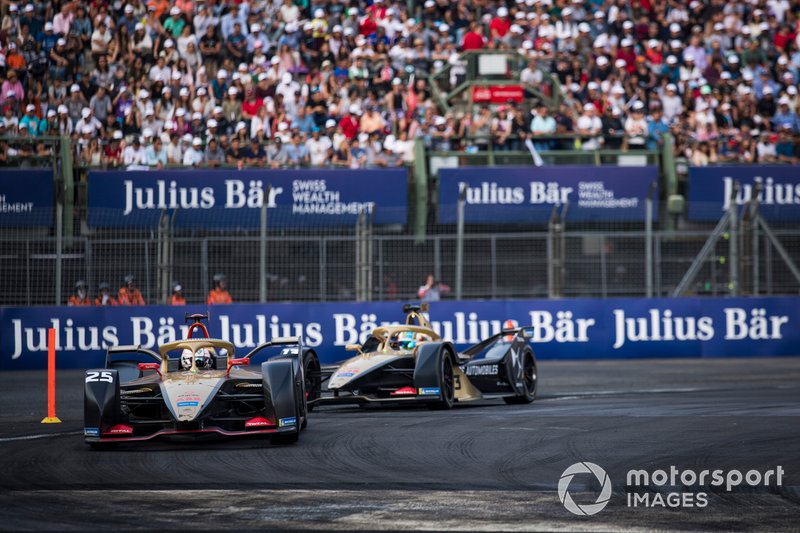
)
(484, 467)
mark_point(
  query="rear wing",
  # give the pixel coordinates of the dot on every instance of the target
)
(524, 333)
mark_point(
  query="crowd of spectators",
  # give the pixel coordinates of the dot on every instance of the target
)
(344, 82)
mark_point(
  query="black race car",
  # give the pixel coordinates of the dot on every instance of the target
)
(203, 389)
(411, 363)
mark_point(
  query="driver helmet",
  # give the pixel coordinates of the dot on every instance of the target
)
(202, 359)
(407, 340)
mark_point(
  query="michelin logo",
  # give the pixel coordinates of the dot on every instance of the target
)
(291, 421)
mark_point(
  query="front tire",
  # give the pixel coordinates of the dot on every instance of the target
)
(446, 382)
(530, 381)
(294, 436)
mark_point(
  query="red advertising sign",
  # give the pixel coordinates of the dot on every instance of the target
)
(497, 94)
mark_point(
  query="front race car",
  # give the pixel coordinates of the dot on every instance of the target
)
(180, 398)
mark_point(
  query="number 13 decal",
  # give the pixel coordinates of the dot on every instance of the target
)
(103, 375)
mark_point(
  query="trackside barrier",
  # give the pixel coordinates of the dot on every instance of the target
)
(619, 328)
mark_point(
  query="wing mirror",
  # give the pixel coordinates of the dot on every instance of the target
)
(353, 348)
(150, 366)
(242, 361)
(526, 333)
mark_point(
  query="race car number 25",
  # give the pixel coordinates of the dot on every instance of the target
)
(103, 375)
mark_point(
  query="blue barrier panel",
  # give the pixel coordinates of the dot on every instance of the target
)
(26, 198)
(527, 194)
(710, 190)
(226, 198)
(563, 329)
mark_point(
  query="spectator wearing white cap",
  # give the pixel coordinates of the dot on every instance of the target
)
(30, 121)
(785, 116)
(128, 19)
(88, 120)
(194, 155)
(589, 126)
(671, 102)
(636, 126)
(500, 25)
(202, 103)
(175, 23)
(10, 24)
(257, 34)
(63, 121)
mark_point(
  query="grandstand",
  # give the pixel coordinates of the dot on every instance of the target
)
(227, 87)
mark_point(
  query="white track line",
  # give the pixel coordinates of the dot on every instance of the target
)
(41, 436)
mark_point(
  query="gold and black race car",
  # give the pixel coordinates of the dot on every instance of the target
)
(195, 388)
(411, 363)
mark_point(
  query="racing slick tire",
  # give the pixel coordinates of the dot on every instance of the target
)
(101, 403)
(530, 380)
(313, 380)
(282, 395)
(446, 381)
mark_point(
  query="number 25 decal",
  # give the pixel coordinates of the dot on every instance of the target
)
(103, 375)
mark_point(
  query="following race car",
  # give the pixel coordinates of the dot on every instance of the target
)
(204, 390)
(411, 363)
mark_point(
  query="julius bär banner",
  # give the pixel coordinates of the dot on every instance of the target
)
(528, 194)
(229, 198)
(711, 190)
(562, 329)
(26, 198)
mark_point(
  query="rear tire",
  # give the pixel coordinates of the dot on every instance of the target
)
(311, 375)
(446, 382)
(530, 380)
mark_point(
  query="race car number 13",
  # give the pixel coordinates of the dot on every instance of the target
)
(103, 375)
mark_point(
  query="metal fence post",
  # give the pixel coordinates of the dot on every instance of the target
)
(59, 248)
(462, 195)
(556, 251)
(204, 267)
(493, 244)
(733, 250)
(262, 256)
(648, 243)
(323, 282)
(551, 254)
(756, 266)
